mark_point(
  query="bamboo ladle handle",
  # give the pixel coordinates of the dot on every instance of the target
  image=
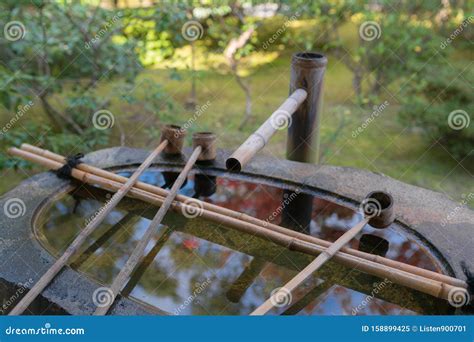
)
(320, 260)
(205, 151)
(378, 209)
(87, 231)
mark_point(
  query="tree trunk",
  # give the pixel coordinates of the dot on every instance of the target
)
(357, 82)
(229, 53)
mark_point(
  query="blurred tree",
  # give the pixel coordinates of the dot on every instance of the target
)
(440, 104)
(238, 37)
(61, 53)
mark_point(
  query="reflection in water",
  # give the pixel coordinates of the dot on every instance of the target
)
(297, 210)
(204, 185)
(186, 274)
(374, 244)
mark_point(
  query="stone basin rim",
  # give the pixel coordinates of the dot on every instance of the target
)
(415, 208)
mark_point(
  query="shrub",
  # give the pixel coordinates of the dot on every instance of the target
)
(441, 103)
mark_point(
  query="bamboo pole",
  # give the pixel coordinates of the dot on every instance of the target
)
(137, 254)
(250, 219)
(379, 213)
(429, 286)
(316, 264)
(281, 118)
(87, 231)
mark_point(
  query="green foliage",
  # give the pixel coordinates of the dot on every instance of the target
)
(62, 143)
(326, 17)
(157, 30)
(66, 52)
(428, 103)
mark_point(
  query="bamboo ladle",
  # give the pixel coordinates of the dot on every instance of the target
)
(238, 215)
(378, 210)
(204, 150)
(87, 231)
(436, 288)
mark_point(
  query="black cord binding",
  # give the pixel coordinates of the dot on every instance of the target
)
(71, 162)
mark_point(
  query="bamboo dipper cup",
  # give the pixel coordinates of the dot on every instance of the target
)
(204, 149)
(207, 141)
(378, 212)
(175, 137)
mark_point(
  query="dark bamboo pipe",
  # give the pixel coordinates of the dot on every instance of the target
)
(307, 72)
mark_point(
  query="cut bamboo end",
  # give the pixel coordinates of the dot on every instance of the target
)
(175, 136)
(309, 60)
(233, 164)
(378, 208)
(207, 141)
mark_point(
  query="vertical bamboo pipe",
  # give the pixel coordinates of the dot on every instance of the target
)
(81, 238)
(279, 119)
(204, 149)
(307, 72)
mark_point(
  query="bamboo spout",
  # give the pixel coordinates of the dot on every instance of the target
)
(280, 119)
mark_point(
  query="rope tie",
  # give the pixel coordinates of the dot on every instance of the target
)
(64, 172)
